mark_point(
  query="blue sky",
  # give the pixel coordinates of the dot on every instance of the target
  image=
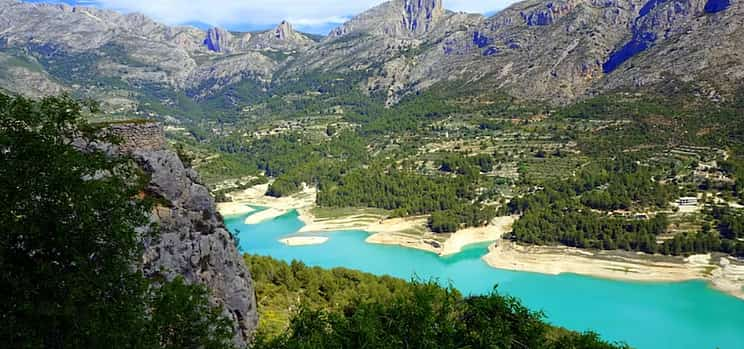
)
(313, 16)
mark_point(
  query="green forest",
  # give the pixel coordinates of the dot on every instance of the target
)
(622, 150)
(448, 199)
(575, 213)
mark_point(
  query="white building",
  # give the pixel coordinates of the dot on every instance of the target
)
(688, 201)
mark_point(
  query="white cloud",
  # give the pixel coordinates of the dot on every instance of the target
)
(304, 13)
(318, 21)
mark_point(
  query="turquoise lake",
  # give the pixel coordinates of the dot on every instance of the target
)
(644, 315)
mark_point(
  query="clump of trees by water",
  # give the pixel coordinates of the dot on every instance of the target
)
(586, 229)
(451, 201)
(343, 308)
(570, 212)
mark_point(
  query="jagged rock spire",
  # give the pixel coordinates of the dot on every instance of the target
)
(217, 39)
(420, 14)
(283, 31)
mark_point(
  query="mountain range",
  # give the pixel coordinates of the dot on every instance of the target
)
(554, 51)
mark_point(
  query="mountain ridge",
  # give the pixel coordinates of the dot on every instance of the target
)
(554, 51)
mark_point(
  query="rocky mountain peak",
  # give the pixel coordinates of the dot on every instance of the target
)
(217, 39)
(283, 37)
(420, 14)
(402, 19)
(284, 31)
(559, 50)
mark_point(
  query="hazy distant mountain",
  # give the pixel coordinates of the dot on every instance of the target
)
(555, 50)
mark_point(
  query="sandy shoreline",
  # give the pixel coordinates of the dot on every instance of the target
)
(393, 239)
(494, 231)
(443, 245)
(304, 240)
(367, 222)
(256, 196)
(722, 275)
(352, 222)
(234, 208)
(265, 215)
(397, 231)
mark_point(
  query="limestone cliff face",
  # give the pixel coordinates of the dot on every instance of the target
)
(400, 19)
(557, 51)
(421, 15)
(191, 240)
(218, 40)
(282, 37)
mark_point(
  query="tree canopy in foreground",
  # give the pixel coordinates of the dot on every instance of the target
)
(69, 244)
(342, 308)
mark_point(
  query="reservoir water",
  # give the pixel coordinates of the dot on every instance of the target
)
(688, 315)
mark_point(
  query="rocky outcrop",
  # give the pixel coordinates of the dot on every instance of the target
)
(191, 239)
(421, 15)
(138, 136)
(229, 70)
(217, 39)
(222, 41)
(284, 31)
(397, 19)
(547, 13)
(283, 38)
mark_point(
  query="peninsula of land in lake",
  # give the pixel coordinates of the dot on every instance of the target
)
(724, 274)
(408, 232)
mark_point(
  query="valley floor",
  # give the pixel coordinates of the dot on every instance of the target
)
(724, 274)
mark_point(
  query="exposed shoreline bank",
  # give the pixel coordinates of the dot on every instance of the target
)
(265, 215)
(228, 209)
(304, 240)
(721, 273)
(447, 244)
(410, 232)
